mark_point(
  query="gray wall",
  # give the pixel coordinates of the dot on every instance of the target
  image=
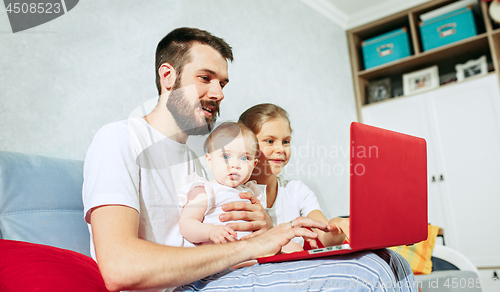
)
(61, 81)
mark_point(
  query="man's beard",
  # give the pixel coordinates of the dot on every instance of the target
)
(185, 115)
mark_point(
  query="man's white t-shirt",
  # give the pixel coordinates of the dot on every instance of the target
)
(130, 163)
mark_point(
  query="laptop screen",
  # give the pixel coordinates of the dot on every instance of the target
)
(388, 199)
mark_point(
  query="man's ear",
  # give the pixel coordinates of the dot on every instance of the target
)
(208, 159)
(167, 76)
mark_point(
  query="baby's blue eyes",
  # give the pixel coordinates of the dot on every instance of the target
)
(227, 157)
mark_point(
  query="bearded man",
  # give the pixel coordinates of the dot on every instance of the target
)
(134, 168)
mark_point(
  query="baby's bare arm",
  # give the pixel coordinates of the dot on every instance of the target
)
(191, 222)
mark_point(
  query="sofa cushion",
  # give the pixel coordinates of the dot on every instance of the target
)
(419, 255)
(33, 267)
(41, 201)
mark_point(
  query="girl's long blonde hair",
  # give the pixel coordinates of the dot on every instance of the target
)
(257, 115)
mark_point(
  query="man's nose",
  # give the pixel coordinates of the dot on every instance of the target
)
(215, 91)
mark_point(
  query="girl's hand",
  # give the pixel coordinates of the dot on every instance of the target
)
(339, 225)
(222, 234)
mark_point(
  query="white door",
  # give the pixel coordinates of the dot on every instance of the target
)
(409, 115)
(467, 132)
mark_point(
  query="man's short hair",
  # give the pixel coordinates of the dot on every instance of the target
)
(174, 48)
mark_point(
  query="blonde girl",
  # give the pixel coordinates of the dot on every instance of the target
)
(286, 200)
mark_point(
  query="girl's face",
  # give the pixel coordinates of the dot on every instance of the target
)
(274, 143)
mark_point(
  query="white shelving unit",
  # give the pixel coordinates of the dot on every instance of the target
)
(461, 123)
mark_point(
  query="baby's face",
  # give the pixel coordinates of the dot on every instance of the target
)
(233, 164)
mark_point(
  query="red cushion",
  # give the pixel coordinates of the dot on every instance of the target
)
(35, 267)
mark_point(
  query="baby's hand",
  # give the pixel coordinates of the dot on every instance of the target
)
(222, 234)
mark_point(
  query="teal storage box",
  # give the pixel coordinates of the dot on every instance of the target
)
(448, 28)
(385, 48)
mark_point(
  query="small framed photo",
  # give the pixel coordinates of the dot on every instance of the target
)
(421, 80)
(379, 90)
(472, 68)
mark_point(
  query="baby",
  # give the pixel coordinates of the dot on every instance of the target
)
(231, 154)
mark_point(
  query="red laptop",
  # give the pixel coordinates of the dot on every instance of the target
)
(388, 200)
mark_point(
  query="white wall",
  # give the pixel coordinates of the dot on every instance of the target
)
(61, 81)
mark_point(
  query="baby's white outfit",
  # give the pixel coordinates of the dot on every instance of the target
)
(219, 195)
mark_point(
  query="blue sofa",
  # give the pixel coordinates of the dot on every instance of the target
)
(41, 201)
(44, 240)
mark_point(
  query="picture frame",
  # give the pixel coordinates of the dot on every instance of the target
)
(421, 80)
(379, 90)
(472, 68)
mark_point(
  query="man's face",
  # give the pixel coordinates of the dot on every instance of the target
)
(233, 163)
(197, 93)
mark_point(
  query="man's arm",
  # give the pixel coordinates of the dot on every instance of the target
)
(127, 262)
